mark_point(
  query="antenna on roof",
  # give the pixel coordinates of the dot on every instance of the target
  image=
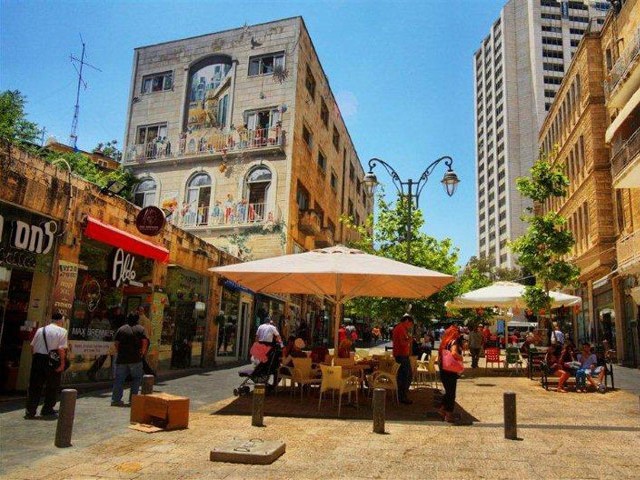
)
(73, 137)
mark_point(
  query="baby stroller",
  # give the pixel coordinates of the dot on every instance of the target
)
(268, 356)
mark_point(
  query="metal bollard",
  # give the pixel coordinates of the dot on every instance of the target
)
(66, 415)
(379, 396)
(147, 384)
(510, 420)
(257, 414)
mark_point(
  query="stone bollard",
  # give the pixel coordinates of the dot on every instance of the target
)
(66, 415)
(258, 406)
(147, 384)
(379, 395)
(510, 420)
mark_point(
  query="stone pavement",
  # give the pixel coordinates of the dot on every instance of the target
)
(562, 436)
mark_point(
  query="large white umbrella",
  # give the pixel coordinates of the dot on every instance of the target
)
(506, 295)
(338, 274)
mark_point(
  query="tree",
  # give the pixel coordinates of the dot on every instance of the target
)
(14, 127)
(386, 238)
(542, 248)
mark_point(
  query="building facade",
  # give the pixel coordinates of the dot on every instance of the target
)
(517, 71)
(68, 246)
(621, 63)
(573, 137)
(238, 134)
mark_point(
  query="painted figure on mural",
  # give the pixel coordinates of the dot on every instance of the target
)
(241, 211)
(228, 209)
(216, 213)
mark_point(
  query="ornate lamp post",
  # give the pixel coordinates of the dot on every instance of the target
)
(413, 189)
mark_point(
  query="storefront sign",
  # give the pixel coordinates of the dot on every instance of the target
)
(122, 267)
(64, 291)
(89, 348)
(32, 238)
(150, 221)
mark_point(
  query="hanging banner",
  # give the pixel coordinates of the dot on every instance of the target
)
(64, 292)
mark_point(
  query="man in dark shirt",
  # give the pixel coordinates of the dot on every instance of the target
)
(402, 340)
(131, 344)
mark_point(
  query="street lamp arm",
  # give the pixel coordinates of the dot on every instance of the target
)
(399, 184)
(422, 181)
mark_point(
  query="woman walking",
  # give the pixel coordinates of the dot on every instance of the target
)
(450, 368)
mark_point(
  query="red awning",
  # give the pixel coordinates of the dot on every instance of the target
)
(120, 239)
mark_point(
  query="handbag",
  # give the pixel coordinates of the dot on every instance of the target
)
(54, 356)
(450, 363)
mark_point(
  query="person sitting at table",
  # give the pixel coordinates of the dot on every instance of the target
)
(554, 362)
(344, 348)
(293, 350)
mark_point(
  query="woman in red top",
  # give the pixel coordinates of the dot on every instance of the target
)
(451, 342)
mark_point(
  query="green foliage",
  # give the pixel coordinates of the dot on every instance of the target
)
(14, 127)
(547, 180)
(386, 238)
(542, 248)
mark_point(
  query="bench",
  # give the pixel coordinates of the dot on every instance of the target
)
(547, 377)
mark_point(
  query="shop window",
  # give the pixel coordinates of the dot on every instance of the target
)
(145, 193)
(266, 64)
(157, 82)
(208, 93)
(257, 185)
(198, 198)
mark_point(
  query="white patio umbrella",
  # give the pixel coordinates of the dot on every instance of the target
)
(337, 274)
(506, 295)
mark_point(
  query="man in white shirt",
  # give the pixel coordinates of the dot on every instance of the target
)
(47, 338)
(267, 332)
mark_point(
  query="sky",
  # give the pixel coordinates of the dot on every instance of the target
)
(402, 72)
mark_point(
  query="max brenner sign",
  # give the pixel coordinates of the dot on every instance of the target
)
(21, 242)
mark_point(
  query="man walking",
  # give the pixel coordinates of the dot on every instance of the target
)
(475, 345)
(402, 340)
(47, 338)
(131, 343)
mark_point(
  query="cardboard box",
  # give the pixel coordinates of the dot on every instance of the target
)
(162, 410)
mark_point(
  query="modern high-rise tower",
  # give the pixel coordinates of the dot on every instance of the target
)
(517, 72)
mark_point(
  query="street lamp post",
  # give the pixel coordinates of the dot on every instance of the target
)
(449, 181)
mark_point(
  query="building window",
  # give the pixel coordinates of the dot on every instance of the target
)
(302, 197)
(307, 137)
(552, 53)
(260, 123)
(352, 172)
(157, 82)
(552, 41)
(208, 93)
(322, 161)
(265, 64)
(149, 133)
(350, 208)
(319, 212)
(145, 193)
(257, 185)
(553, 67)
(334, 180)
(310, 83)
(198, 199)
(336, 138)
(324, 112)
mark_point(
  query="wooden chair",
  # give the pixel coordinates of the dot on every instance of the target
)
(304, 374)
(422, 371)
(491, 356)
(332, 381)
(512, 357)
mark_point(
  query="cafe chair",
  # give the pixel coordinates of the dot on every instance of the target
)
(491, 356)
(432, 369)
(385, 379)
(332, 381)
(362, 354)
(304, 374)
(387, 364)
(421, 375)
(512, 357)
(285, 373)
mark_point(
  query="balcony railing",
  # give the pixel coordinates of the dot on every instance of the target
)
(626, 154)
(626, 61)
(201, 143)
(628, 251)
(242, 213)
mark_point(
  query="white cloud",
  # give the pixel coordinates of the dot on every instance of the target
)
(348, 103)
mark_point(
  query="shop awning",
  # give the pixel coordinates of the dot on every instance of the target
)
(113, 236)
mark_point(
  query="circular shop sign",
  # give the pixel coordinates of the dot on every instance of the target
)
(150, 221)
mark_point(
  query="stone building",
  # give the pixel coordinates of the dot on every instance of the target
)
(621, 60)
(239, 135)
(575, 126)
(517, 72)
(68, 246)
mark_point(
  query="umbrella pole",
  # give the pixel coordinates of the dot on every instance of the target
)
(338, 308)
